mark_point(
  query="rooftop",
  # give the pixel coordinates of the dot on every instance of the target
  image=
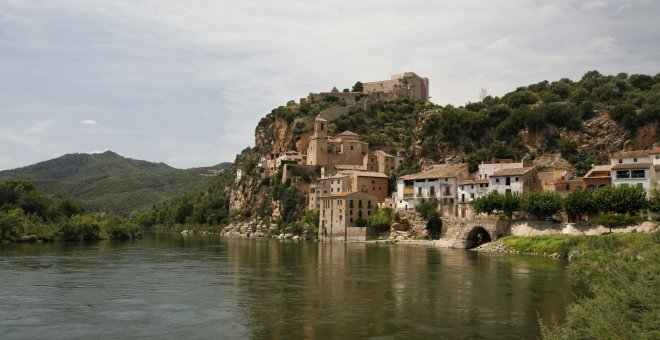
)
(631, 154)
(473, 181)
(443, 170)
(512, 172)
(625, 166)
(599, 168)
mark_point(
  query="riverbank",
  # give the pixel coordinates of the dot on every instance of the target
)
(572, 247)
(618, 271)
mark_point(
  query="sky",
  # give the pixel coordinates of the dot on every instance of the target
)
(185, 82)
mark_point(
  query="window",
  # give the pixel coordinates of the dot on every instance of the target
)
(351, 147)
(637, 174)
(635, 160)
(351, 212)
(432, 191)
(368, 204)
(516, 179)
(360, 204)
(497, 180)
(620, 160)
(419, 191)
(623, 174)
(350, 204)
(447, 192)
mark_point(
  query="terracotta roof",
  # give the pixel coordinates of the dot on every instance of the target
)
(370, 174)
(631, 154)
(438, 171)
(348, 133)
(624, 166)
(473, 181)
(655, 150)
(604, 168)
(512, 172)
(348, 193)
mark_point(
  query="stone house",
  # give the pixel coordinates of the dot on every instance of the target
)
(381, 161)
(634, 168)
(339, 213)
(373, 183)
(515, 180)
(439, 182)
(560, 181)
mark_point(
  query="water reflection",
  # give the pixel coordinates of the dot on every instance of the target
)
(169, 286)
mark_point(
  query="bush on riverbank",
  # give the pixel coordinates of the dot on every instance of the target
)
(587, 247)
(27, 215)
(622, 300)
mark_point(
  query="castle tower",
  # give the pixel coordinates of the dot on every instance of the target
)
(317, 150)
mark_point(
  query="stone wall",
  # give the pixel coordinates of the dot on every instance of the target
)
(535, 228)
(334, 112)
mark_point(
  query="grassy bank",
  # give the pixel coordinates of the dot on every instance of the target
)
(596, 248)
(619, 274)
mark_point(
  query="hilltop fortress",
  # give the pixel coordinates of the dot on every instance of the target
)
(407, 85)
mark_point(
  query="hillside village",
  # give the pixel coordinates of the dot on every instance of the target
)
(350, 182)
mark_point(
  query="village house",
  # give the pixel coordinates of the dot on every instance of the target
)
(273, 161)
(439, 182)
(468, 191)
(599, 176)
(515, 180)
(561, 181)
(634, 168)
(339, 215)
(373, 183)
(488, 168)
(381, 161)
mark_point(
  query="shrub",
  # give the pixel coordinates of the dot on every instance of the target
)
(614, 221)
(10, 227)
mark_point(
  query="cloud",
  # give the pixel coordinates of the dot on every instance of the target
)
(188, 81)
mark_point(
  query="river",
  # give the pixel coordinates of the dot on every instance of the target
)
(166, 286)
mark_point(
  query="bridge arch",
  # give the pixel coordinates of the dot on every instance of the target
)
(476, 237)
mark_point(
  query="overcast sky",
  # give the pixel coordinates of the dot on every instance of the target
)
(185, 82)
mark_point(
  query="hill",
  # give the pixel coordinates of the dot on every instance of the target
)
(564, 123)
(108, 182)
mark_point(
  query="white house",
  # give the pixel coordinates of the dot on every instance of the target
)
(439, 182)
(635, 168)
(488, 168)
(468, 191)
(517, 181)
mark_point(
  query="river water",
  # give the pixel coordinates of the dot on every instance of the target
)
(166, 286)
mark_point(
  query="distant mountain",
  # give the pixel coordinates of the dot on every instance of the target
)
(108, 182)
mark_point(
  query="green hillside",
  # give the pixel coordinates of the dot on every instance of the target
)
(108, 182)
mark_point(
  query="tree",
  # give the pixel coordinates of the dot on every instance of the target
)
(579, 202)
(358, 87)
(542, 204)
(488, 204)
(622, 199)
(427, 208)
(510, 203)
(334, 89)
(381, 221)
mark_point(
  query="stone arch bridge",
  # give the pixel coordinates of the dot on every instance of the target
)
(471, 233)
